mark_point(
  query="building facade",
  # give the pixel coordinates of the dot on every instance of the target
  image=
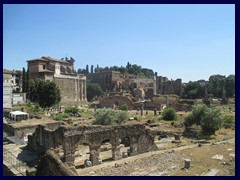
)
(165, 86)
(61, 71)
(15, 78)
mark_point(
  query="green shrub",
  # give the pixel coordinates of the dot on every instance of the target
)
(71, 109)
(61, 116)
(211, 122)
(122, 116)
(169, 114)
(188, 120)
(124, 107)
(110, 117)
(207, 101)
(208, 118)
(229, 119)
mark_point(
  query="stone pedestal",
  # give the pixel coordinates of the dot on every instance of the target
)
(187, 163)
(94, 155)
(116, 153)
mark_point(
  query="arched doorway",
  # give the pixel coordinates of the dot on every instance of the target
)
(125, 147)
(82, 153)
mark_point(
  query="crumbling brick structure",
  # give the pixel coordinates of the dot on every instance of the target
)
(70, 137)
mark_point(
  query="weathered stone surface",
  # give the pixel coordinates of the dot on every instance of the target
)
(70, 137)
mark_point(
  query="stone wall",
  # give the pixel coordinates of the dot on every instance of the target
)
(165, 86)
(18, 131)
(73, 91)
(51, 165)
(116, 101)
(67, 89)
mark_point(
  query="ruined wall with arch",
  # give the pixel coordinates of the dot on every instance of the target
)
(70, 137)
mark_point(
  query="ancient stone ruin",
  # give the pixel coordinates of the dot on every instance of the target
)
(69, 138)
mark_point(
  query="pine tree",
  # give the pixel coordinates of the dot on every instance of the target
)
(87, 69)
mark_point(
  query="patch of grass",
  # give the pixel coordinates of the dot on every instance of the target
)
(61, 116)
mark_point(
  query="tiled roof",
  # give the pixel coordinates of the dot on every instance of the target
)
(48, 58)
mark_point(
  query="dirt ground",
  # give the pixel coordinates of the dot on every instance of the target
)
(169, 159)
(171, 162)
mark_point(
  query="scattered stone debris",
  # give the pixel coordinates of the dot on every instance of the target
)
(124, 154)
(212, 172)
(218, 157)
(233, 155)
(87, 163)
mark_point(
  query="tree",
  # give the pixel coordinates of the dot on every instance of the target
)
(216, 85)
(97, 69)
(51, 94)
(44, 93)
(87, 69)
(110, 117)
(211, 121)
(93, 89)
(169, 114)
(92, 69)
(230, 86)
(122, 70)
(208, 118)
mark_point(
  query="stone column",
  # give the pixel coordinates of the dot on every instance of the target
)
(69, 154)
(81, 90)
(94, 154)
(154, 85)
(69, 148)
(76, 89)
(133, 145)
(116, 153)
(142, 110)
(85, 92)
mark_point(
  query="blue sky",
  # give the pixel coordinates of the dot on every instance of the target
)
(190, 42)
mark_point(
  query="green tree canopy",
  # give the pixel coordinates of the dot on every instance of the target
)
(46, 94)
(93, 89)
(110, 117)
(208, 118)
(169, 114)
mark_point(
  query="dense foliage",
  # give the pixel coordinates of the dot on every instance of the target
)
(124, 107)
(218, 86)
(208, 118)
(93, 90)
(169, 114)
(110, 117)
(229, 119)
(46, 94)
(72, 110)
(129, 69)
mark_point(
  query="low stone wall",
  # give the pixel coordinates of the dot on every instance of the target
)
(51, 165)
(110, 101)
(18, 131)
